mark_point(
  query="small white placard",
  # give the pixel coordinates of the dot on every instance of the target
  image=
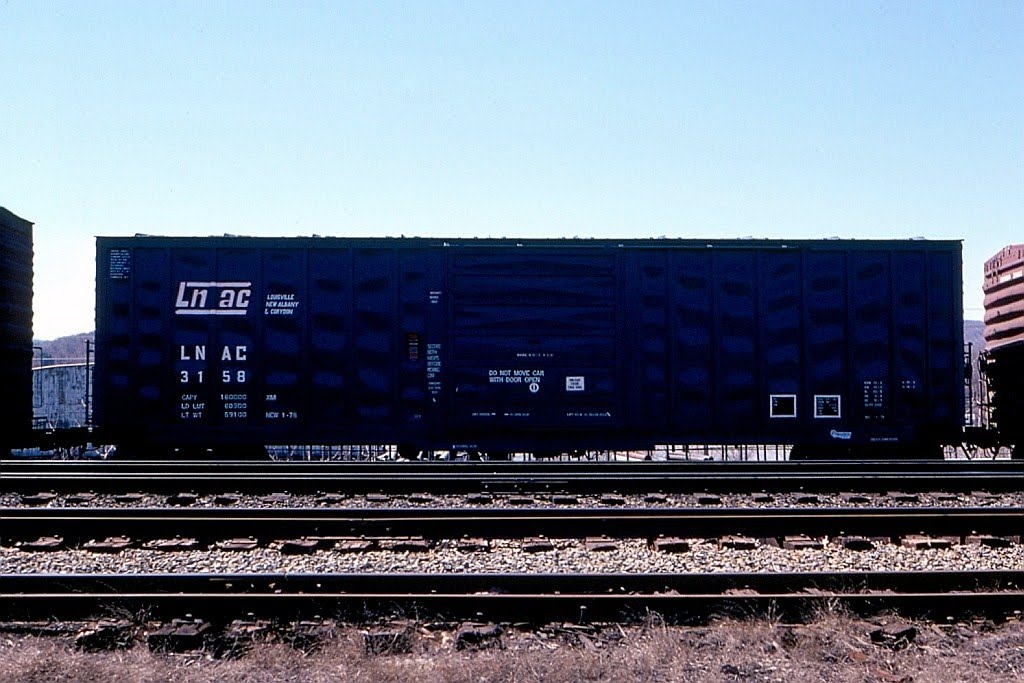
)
(828, 406)
(574, 383)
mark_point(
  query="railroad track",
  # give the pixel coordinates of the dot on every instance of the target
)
(75, 524)
(468, 594)
(534, 598)
(462, 477)
(483, 594)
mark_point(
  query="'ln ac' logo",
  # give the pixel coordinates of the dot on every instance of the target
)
(213, 298)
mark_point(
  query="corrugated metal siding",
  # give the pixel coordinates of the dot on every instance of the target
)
(813, 322)
(313, 355)
(735, 322)
(647, 390)
(945, 339)
(781, 325)
(826, 356)
(1004, 340)
(1004, 298)
(330, 337)
(910, 343)
(692, 335)
(59, 395)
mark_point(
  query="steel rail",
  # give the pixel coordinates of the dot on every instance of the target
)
(588, 477)
(75, 524)
(536, 598)
(692, 466)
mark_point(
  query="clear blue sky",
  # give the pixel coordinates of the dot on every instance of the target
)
(719, 119)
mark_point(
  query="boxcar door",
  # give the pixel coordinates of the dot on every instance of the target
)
(532, 345)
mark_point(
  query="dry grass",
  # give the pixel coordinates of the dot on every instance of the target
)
(833, 649)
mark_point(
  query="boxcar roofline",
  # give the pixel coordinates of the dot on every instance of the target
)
(543, 242)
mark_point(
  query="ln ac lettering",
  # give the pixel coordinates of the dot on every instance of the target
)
(198, 352)
(229, 298)
(240, 353)
(194, 298)
(198, 299)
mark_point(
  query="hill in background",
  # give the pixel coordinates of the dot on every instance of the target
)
(974, 333)
(60, 351)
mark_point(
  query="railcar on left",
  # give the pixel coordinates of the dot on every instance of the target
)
(17, 425)
(15, 331)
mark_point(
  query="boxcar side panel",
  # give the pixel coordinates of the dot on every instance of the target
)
(373, 338)
(647, 346)
(246, 342)
(826, 360)
(818, 343)
(329, 319)
(693, 342)
(150, 351)
(945, 342)
(276, 395)
(735, 331)
(910, 328)
(780, 341)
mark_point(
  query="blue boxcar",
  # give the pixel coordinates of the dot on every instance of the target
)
(531, 345)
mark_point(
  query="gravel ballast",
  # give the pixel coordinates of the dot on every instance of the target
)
(508, 556)
(893, 499)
